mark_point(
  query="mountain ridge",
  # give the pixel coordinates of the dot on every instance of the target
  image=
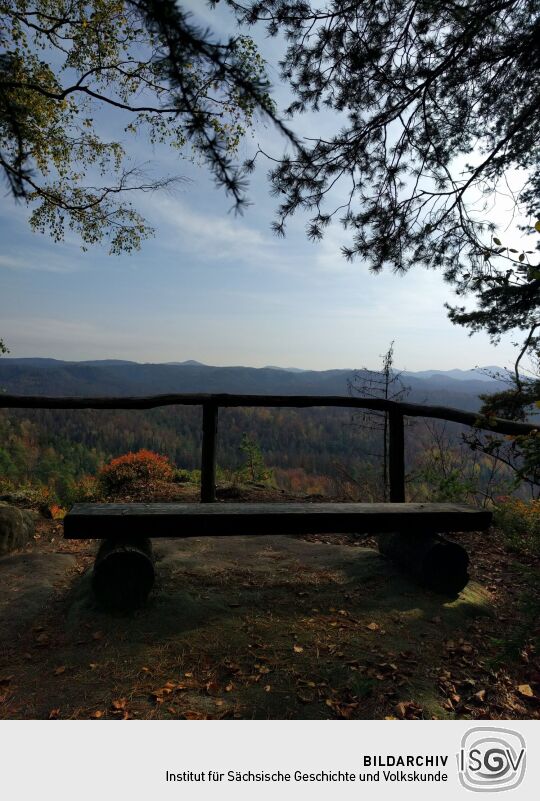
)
(471, 374)
(124, 378)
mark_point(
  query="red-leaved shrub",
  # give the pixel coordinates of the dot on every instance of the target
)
(134, 469)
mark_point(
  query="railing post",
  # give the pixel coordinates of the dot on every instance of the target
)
(396, 449)
(208, 455)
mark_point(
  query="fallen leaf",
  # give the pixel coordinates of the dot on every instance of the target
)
(53, 714)
(159, 694)
(267, 688)
(373, 626)
(119, 704)
(97, 714)
(401, 709)
(346, 710)
(193, 715)
(229, 688)
(480, 696)
(298, 649)
(526, 690)
(409, 710)
(60, 670)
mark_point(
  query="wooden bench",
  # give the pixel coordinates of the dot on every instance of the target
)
(407, 532)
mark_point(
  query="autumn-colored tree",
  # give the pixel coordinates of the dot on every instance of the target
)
(133, 468)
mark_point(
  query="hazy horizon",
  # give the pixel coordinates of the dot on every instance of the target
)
(476, 369)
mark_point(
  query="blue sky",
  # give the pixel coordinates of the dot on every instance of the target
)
(221, 288)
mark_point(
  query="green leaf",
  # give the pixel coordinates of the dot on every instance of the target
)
(537, 226)
(497, 241)
(521, 256)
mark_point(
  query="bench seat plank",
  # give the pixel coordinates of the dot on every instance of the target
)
(104, 520)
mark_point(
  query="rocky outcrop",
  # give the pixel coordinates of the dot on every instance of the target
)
(17, 528)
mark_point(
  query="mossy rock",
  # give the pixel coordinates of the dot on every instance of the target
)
(17, 528)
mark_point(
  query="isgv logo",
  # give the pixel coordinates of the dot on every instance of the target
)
(491, 759)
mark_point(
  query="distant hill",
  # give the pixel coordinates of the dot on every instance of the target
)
(475, 374)
(117, 377)
(41, 362)
(192, 362)
(288, 369)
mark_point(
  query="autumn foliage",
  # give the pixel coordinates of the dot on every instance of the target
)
(132, 469)
(519, 521)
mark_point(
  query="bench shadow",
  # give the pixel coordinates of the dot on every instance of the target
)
(202, 590)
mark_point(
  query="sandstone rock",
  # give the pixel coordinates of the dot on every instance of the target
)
(16, 528)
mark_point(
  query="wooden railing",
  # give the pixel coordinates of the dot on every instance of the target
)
(396, 410)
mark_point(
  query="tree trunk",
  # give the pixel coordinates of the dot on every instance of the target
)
(434, 561)
(123, 573)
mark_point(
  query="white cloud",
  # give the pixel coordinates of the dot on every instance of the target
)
(219, 238)
(37, 261)
(14, 263)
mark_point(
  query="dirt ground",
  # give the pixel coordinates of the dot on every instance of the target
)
(267, 627)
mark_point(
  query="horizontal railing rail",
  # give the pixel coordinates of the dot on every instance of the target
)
(397, 411)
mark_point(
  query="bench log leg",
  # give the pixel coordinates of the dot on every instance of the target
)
(123, 573)
(434, 561)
